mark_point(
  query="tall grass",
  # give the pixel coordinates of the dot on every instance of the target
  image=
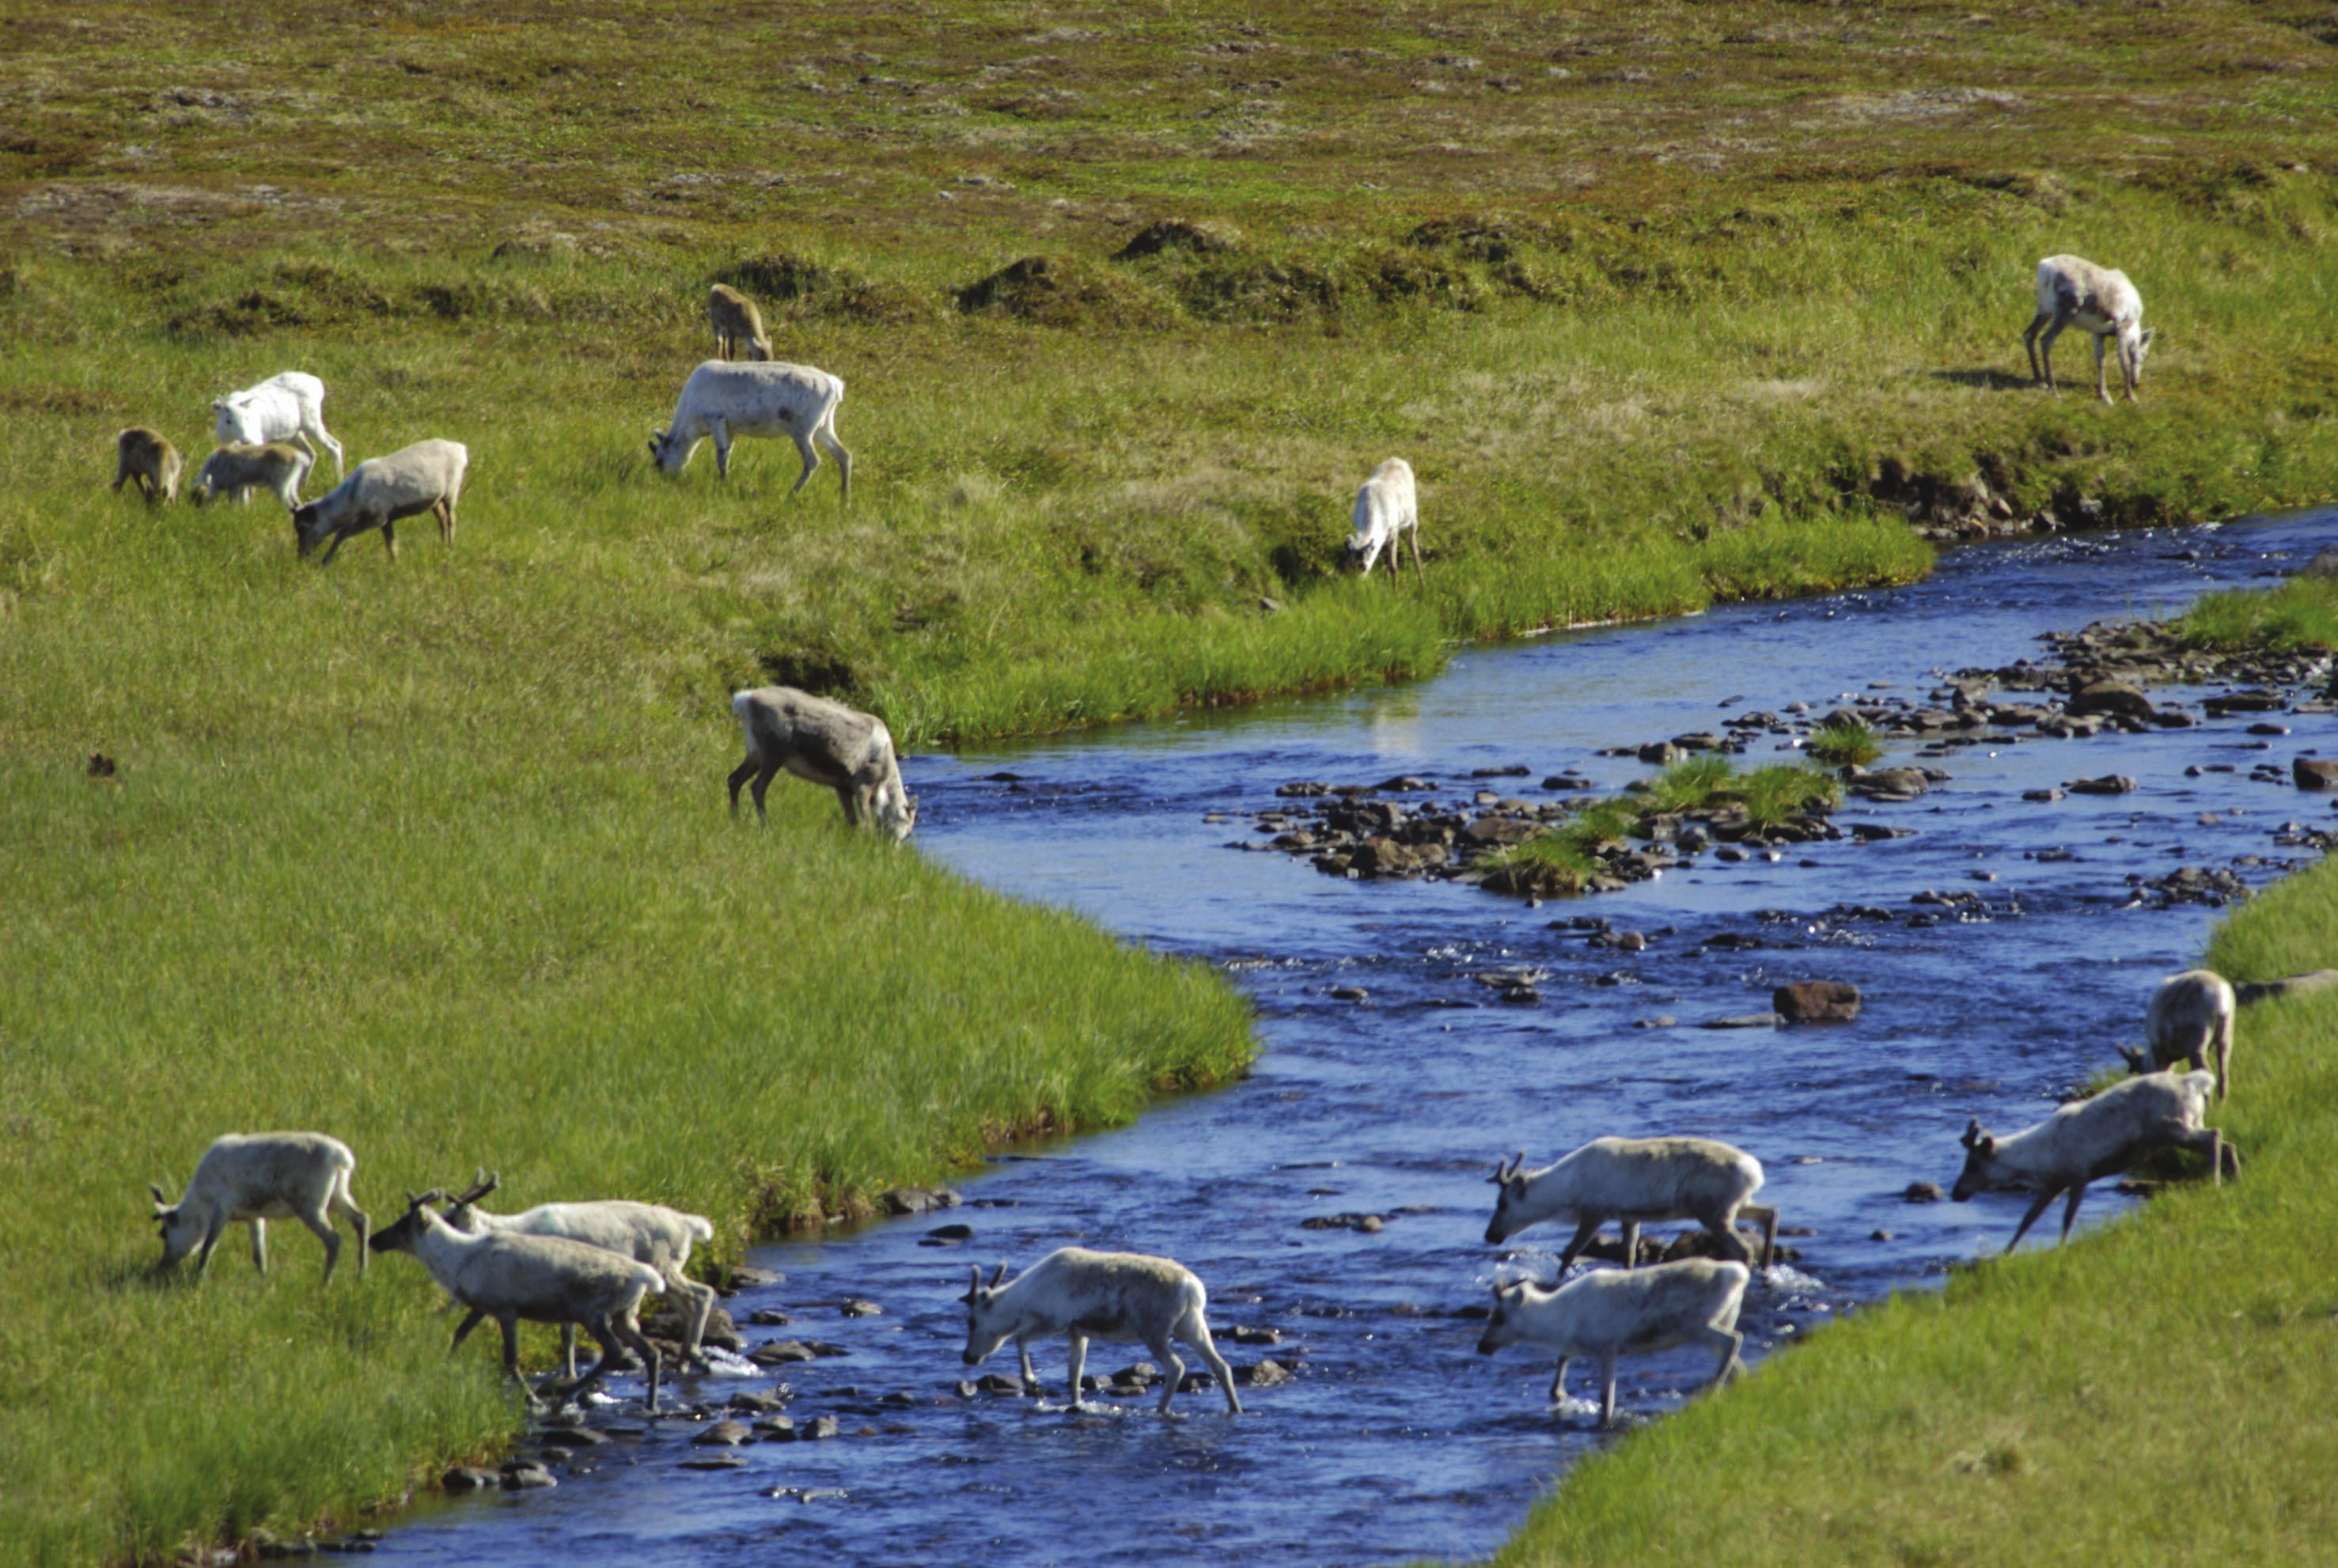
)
(2300, 615)
(2007, 1415)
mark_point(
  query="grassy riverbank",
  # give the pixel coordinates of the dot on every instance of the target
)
(2158, 1393)
(1664, 303)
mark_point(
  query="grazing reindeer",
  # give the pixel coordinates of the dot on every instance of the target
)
(1084, 1296)
(1386, 513)
(1610, 1312)
(2093, 1138)
(142, 454)
(541, 1279)
(738, 324)
(2100, 301)
(2190, 1018)
(726, 401)
(256, 1177)
(826, 743)
(289, 407)
(1637, 1180)
(648, 1233)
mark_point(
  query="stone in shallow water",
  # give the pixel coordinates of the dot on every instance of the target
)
(723, 1434)
(1816, 1002)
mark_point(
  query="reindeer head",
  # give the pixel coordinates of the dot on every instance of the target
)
(672, 453)
(1981, 1154)
(459, 1212)
(411, 1227)
(1513, 1186)
(1499, 1329)
(179, 1231)
(987, 1328)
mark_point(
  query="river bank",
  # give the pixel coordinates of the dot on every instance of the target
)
(1335, 1200)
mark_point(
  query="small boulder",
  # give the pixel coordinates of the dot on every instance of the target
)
(2116, 699)
(919, 1199)
(525, 1476)
(1923, 1192)
(2314, 772)
(1816, 1002)
(468, 1478)
(724, 1434)
(2108, 784)
(1266, 1373)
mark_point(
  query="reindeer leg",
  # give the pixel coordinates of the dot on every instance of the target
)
(1195, 1331)
(1631, 1244)
(203, 1253)
(2029, 341)
(1079, 1344)
(2102, 390)
(258, 1228)
(2031, 1218)
(1606, 1391)
(2070, 1213)
(763, 777)
(811, 455)
(1030, 1378)
(1727, 1341)
(463, 1331)
(739, 777)
(1558, 1382)
(2046, 345)
(1583, 1236)
(1767, 1217)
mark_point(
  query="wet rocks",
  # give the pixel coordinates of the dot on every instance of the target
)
(570, 1437)
(724, 1434)
(527, 1475)
(2210, 885)
(2108, 784)
(2314, 772)
(1744, 1021)
(2115, 699)
(1266, 1373)
(465, 1478)
(1816, 1002)
(1367, 1224)
(1891, 784)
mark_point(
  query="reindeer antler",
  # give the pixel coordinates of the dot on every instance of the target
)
(1973, 1133)
(481, 1185)
(997, 1276)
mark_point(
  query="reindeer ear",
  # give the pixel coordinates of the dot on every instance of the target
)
(159, 1201)
(1972, 1134)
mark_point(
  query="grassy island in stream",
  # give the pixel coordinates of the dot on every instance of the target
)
(1666, 304)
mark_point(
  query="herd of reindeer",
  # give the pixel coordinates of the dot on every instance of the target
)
(592, 1264)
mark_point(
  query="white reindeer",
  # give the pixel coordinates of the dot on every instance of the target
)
(256, 1177)
(2101, 301)
(2093, 1138)
(1637, 1180)
(1084, 1296)
(142, 454)
(424, 478)
(648, 1233)
(540, 1278)
(234, 471)
(2189, 1020)
(727, 401)
(826, 743)
(289, 407)
(1386, 513)
(738, 324)
(1610, 1312)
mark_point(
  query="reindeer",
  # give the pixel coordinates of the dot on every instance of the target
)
(826, 743)
(1086, 1295)
(1636, 1180)
(2190, 1018)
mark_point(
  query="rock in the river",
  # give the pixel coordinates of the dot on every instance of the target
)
(724, 1434)
(2314, 772)
(2046, 795)
(570, 1437)
(863, 1310)
(1744, 1021)
(714, 1462)
(468, 1478)
(1266, 1373)
(1892, 784)
(768, 1317)
(722, 1331)
(1816, 1002)
(749, 1402)
(2108, 784)
(1923, 1192)
(527, 1474)
(1369, 1224)
(2115, 698)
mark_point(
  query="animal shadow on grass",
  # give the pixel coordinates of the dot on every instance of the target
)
(1985, 380)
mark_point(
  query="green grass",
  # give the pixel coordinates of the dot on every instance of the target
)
(1784, 791)
(1854, 744)
(1690, 784)
(2300, 616)
(1563, 859)
(2037, 1406)
(1665, 303)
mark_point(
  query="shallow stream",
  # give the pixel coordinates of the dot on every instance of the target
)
(1395, 1441)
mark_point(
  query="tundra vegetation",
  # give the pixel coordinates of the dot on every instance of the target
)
(1665, 302)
